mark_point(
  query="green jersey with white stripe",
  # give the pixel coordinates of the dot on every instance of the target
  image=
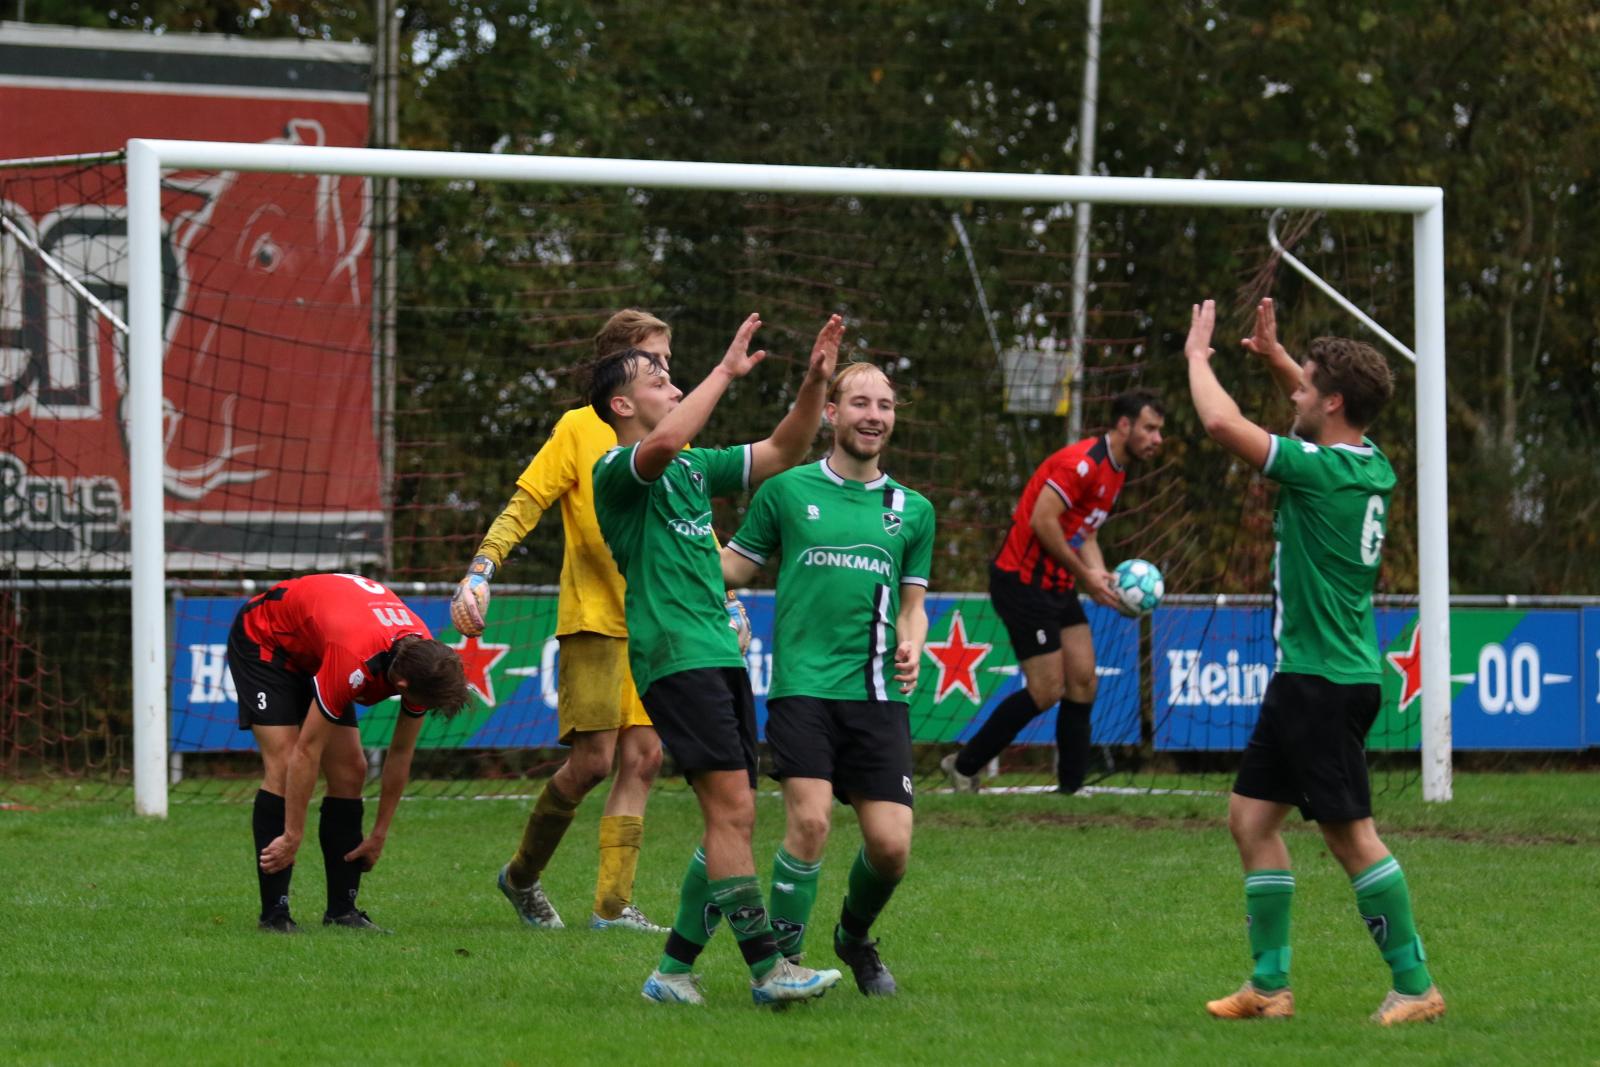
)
(659, 532)
(843, 550)
(1333, 516)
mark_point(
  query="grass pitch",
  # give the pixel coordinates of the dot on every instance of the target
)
(1032, 929)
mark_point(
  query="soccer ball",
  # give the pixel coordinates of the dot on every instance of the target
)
(1140, 586)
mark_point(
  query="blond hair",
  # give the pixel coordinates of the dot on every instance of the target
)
(628, 328)
(852, 371)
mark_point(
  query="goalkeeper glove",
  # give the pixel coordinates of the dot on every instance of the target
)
(470, 605)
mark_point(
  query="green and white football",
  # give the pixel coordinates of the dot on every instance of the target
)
(1140, 585)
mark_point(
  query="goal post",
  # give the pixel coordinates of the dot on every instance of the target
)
(146, 159)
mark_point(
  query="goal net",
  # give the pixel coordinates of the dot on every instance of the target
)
(355, 369)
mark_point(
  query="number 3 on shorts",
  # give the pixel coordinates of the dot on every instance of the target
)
(261, 702)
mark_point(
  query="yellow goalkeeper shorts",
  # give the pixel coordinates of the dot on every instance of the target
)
(594, 686)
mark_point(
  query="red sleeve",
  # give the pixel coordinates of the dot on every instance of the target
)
(337, 682)
(1067, 474)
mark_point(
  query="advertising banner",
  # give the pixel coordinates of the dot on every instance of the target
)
(967, 668)
(270, 455)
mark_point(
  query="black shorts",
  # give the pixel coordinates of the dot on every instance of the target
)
(271, 693)
(1033, 617)
(862, 746)
(1309, 748)
(706, 718)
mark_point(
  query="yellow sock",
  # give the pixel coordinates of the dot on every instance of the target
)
(619, 860)
(552, 814)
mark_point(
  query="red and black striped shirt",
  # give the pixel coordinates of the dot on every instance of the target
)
(1088, 480)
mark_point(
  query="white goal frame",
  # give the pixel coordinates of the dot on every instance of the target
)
(147, 158)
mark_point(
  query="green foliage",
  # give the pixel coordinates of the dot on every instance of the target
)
(1498, 104)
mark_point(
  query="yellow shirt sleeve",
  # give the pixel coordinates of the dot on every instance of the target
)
(548, 477)
(521, 515)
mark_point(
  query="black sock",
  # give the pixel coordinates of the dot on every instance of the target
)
(1005, 723)
(267, 823)
(339, 831)
(1072, 744)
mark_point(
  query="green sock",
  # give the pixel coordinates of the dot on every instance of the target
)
(739, 900)
(869, 892)
(794, 893)
(697, 918)
(1267, 897)
(1385, 905)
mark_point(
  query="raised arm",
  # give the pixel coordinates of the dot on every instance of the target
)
(1218, 413)
(1264, 343)
(792, 437)
(686, 420)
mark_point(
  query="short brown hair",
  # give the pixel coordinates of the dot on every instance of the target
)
(850, 372)
(628, 328)
(607, 376)
(1356, 371)
(433, 674)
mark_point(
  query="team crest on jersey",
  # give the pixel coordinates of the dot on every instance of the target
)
(891, 523)
(813, 512)
(697, 478)
(356, 678)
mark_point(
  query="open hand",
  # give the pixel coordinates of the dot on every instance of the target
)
(738, 360)
(1202, 324)
(1264, 342)
(825, 353)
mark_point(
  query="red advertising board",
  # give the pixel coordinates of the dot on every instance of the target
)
(270, 455)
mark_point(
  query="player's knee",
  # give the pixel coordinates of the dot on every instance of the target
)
(1081, 689)
(809, 830)
(346, 775)
(640, 761)
(585, 770)
(890, 856)
(1046, 692)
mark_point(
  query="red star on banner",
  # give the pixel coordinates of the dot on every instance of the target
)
(479, 659)
(957, 661)
(1409, 664)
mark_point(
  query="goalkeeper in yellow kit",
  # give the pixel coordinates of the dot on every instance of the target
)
(599, 712)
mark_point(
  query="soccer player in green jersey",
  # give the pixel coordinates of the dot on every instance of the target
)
(1308, 747)
(653, 500)
(852, 549)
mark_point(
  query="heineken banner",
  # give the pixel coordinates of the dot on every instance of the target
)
(968, 667)
(1519, 679)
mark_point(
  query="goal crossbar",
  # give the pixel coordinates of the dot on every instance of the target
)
(147, 158)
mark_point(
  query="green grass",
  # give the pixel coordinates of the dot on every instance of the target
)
(1031, 929)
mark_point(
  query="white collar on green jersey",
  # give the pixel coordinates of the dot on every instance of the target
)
(1363, 449)
(833, 476)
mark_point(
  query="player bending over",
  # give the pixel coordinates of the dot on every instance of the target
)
(303, 655)
(853, 548)
(1034, 583)
(654, 502)
(597, 708)
(1308, 747)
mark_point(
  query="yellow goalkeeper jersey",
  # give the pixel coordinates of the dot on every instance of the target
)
(591, 587)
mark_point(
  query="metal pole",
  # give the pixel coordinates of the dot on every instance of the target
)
(1082, 216)
(385, 133)
(146, 496)
(1433, 504)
